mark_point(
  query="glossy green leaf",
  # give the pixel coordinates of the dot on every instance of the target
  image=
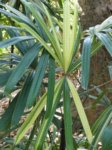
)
(46, 122)
(51, 85)
(106, 40)
(21, 68)
(21, 101)
(86, 54)
(37, 80)
(67, 117)
(80, 110)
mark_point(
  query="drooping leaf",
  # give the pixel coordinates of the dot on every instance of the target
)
(21, 101)
(12, 41)
(37, 80)
(21, 68)
(86, 54)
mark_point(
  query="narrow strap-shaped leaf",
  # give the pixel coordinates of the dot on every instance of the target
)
(46, 122)
(67, 118)
(5, 121)
(106, 40)
(86, 54)
(69, 32)
(81, 111)
(39, 74)
(21, 101)
(21, 68)
(66, 34)
(51, 85)
(14, 40)
(33, 115)
(76, 46)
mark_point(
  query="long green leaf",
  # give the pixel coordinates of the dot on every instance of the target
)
(12, 41)
(86, 54)
(81, 111)
(21, 68)
(66, 34)
(69, 33)
(37, 80)
(47, 121)
(51, 84)
(67, 117)
(21, 101)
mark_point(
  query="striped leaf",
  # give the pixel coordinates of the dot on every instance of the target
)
(80, 110)
(69, 33)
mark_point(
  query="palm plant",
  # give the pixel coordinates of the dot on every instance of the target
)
(48, 44)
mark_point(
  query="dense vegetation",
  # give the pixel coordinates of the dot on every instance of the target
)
(42, 50)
